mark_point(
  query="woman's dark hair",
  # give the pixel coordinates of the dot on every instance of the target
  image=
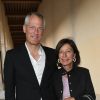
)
(72, 44)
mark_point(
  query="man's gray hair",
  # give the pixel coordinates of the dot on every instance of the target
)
(32, 14)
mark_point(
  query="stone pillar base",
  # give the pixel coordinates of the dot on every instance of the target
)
(2, 95)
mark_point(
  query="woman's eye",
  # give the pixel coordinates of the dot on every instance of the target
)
(69, 51)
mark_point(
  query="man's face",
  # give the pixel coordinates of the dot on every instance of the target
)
(34, 30)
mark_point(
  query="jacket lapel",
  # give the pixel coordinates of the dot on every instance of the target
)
(47, 70)
(29, 67)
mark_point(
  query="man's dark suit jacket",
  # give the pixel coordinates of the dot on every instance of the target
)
(20, 78)
(80, 84)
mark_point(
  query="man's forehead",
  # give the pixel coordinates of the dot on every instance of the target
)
(32, 17)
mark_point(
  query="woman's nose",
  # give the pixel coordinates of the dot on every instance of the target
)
(64, 54)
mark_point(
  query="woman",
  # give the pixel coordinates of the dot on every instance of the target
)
(71, 82)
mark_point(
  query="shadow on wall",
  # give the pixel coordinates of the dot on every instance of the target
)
(64, 13)
(98, 97)
(59, 15)
(62, 18)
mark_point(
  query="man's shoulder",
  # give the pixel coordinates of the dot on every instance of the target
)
(15, 49)
(48, 48)
(49, 51)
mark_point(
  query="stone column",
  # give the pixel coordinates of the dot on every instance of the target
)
(5, 38)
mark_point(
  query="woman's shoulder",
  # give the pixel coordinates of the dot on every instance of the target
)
(82, 69)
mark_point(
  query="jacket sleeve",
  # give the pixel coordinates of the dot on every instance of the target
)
(9, 80)
(89, 93)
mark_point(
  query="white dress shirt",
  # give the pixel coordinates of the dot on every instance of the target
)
(38, 65)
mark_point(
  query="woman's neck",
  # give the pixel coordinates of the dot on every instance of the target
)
(68, 68)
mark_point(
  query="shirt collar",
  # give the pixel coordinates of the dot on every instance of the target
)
(40, 51)
(63, 71)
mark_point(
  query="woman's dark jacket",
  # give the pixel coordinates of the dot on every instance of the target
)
(80, 84)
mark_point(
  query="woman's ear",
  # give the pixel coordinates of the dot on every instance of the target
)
(75, 55)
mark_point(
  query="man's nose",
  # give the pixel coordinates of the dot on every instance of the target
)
(36, 30)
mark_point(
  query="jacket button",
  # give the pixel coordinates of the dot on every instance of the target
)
(69, 83)
(61, 91)
(70, 90)
(69, 75)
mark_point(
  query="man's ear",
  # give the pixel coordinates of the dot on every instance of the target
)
(24, 28)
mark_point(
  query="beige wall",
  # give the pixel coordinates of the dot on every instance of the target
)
(79, 19)
(87, 28)
(58, 22)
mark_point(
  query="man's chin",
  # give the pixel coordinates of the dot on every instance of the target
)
(35, 43)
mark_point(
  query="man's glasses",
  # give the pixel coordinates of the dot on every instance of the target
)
(34, 28)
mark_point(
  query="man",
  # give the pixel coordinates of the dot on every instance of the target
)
(29, 69)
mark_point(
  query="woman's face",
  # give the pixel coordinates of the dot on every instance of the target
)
(66, 55)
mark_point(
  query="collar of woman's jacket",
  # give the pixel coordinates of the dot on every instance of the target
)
(63, 71)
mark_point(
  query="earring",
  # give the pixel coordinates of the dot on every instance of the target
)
(74, 59)
(58, 61)
(58, 64)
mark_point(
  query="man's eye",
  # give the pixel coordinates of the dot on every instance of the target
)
(41, 28)
(32, 27)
